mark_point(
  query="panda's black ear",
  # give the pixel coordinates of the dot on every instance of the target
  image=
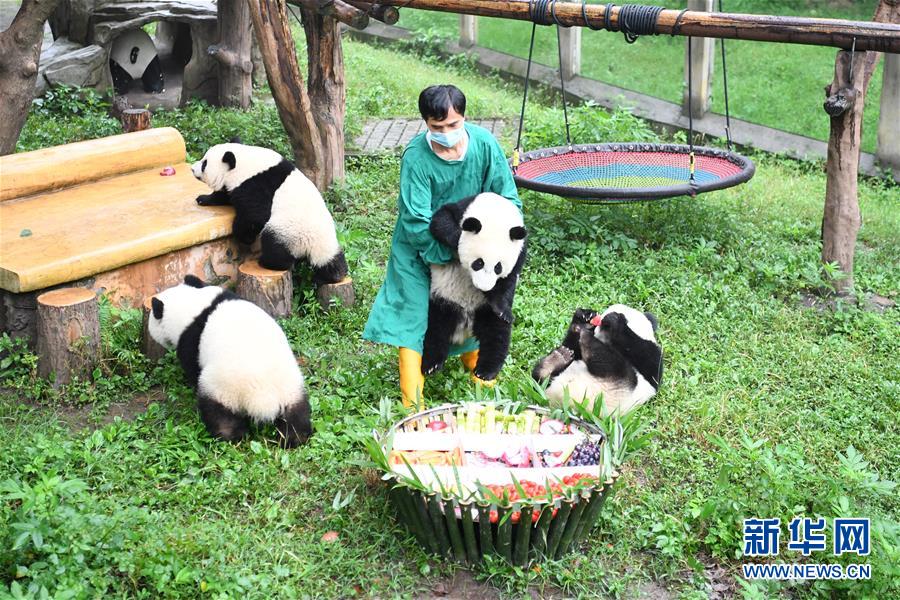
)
(229, 159)
(157, 306)
(653, 322)
(194, 281)
(471, 224)
(517, 233)
(236, 140)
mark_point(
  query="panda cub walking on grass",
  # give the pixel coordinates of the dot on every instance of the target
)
(274, 200)
(615, 354)
(237, 358)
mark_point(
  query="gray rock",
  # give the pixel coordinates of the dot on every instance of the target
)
(84, 67)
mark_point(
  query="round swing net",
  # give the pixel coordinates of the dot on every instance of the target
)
(606, 173)
(624, 172)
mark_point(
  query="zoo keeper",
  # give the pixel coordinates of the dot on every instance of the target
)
(450, 161)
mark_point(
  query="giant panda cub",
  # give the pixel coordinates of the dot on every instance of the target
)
(274, 200)
(236, 356)
(474, 294)
(615, 354)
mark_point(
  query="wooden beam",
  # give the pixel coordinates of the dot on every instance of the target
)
(881, 37)
(388, 15)
(336, 9)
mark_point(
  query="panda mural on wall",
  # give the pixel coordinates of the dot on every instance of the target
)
(615, 354)
(133, 56)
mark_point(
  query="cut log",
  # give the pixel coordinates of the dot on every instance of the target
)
(149, 347)
(68, 334)
(334, 294)
(388, 15)
(269, 290)
(135, 119)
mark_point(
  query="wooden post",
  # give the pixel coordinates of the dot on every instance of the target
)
(844, 104)
(701, 54)
(149, 347)
(888, 152)
(570, 40)
(269, 290)
(233, 53)
(327, 91)
(68, 334)
(342, 291)
(468, 31)
(135, 119)
(283, 73)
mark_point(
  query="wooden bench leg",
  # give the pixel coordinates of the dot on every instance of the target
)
(269, 290)
(68, 334)
(342, 292)
(149, 347)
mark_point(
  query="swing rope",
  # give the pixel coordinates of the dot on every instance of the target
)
(607, 173)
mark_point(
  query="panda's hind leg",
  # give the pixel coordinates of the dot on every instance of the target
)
(333, 271)
(275, 254)
(294, 425)
(221, 422)
(443, 319)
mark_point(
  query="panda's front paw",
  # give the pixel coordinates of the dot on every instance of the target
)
(204, 199)
(429, 367)
(583, 316)
(563, 355)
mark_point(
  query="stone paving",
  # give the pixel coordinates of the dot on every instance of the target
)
(381, 136)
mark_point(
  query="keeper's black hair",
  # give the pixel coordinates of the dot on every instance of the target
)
(435, 102)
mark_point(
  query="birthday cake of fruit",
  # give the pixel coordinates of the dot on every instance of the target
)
(486, 452)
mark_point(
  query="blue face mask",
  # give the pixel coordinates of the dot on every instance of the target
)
(449, 139)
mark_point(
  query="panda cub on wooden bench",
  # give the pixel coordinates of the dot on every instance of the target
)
(274, 200)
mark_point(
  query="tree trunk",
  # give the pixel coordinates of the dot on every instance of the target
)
(341, 293)
(327, 90)
(283, 73)
(20, 54)
(135, 119)
(269, 290)
(846, 98)
(68, 334)
(233, 53)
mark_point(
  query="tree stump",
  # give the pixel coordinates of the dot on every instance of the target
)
(68, 334)
(135, 119)
(149, 347)
(341, 291)
(269, 290)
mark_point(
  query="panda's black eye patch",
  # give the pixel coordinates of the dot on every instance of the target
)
(471, 224)
(498, 268)
(477, 265)
(203, 165)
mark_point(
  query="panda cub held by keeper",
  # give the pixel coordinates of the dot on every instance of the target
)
(474, 294)
(614, 353)
(237, 358)
(274, 200)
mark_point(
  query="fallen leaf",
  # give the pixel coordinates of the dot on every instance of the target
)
(331, 536)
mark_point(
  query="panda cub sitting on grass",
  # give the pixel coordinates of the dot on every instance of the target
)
(274, 200)
(615, 354)
(237, 358)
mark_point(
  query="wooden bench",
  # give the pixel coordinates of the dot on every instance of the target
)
(99, 214)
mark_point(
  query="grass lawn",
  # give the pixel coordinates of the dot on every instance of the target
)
(779, 85)
(767, 409)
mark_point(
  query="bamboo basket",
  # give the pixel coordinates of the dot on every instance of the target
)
(464, 531)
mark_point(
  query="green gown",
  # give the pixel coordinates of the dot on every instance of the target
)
(399, 316)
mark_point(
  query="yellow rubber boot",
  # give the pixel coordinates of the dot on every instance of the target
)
(412, 382)
(469, 360)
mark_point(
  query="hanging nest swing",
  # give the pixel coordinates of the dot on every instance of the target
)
(615, 173)
(619, 173)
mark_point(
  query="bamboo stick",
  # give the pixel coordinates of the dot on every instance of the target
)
(523, 536)
(456, 542)
(504, 533)
(557, 527)
(571, 526)
(437, 522)
(468, 529)
(540, 531)
(419, 506)
(881, 37)
(484, 529)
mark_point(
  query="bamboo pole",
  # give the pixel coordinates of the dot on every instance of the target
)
(881, 37)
